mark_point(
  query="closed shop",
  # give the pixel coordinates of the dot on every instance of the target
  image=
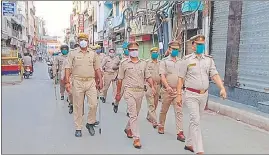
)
(253, 65)
(219, 34)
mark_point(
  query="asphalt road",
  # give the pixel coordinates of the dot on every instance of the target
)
(34, 123)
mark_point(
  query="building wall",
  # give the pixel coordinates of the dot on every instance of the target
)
(252, 72)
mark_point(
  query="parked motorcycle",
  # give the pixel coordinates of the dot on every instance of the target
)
(27, 72)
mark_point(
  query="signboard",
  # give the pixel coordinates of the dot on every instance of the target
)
(8, 8)
(53, 47)
(81, 23)
(105, 43)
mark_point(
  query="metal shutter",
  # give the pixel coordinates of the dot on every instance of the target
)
(219, 34)
(253, 65)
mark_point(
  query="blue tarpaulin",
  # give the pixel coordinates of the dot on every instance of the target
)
(189, 6)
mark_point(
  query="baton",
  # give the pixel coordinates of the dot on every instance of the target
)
(100, 121)
(55, 91)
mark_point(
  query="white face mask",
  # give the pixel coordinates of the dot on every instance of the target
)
(83, 44)
(134, 54)
(111, 55)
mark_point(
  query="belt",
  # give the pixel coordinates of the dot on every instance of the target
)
(83, 78)
(196, 90)
(110, 72)
(136, 89)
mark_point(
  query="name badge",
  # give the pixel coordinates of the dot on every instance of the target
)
(192, 65)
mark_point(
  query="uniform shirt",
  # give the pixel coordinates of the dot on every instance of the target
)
(196, 71)
(108, 63)
(133, 74)
(58, 63)
(83, 65)
(170, 70)
(154, 70)
(27, 60)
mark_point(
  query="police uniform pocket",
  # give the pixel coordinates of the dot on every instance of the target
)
(78, 61)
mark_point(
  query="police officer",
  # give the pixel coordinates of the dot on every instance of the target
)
(65, 51)
(153, 66)
(84, 65)
(194, 74)
(134, 72)
(169, 68)
(110, 73)
(98, 50)
(58, 66)
(125, 56)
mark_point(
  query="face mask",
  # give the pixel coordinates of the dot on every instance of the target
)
(83, 44)
(64, 52)
(200, 48)
(154, 55)
(98, 51)
(174, 53)
(126, 52)
(111, 55)
(134, 54)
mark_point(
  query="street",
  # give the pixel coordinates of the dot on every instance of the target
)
(34, 123)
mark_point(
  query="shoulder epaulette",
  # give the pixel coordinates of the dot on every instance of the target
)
(123, 60)
(164, 58)
(186, 57)
(210, 56)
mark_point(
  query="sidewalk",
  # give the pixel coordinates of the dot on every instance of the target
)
(10, 80)
(240, 112)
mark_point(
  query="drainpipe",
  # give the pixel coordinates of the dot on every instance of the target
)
(170, 24)
(159, 33)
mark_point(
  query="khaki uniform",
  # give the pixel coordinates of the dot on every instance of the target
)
(122, 89)
(196, 72)
(101, 57)
(133, 75)
(153, 100)
(110, 75)
(83, 68)
(170, 69)
(70, 96)
(57, 69)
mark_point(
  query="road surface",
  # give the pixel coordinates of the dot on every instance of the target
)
(33, 123)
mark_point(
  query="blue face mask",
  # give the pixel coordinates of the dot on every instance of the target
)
(64, 52)
(174, 53)
(200, 48)
(126, 52)
(55, 54)
(154, 55)
(98, 51)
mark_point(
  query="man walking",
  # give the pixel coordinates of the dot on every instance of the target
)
(84, 65)
(169, 68)
(134, 72)
(194, 74)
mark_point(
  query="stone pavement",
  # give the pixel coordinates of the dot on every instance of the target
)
(34, 123)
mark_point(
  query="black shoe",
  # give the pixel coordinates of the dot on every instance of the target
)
(78, 133)
(103, 99)
(96, 123)
(115, 108)
(62, 97)
(127, 114)
(71, 109)
(90, 129)
(188, 148)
